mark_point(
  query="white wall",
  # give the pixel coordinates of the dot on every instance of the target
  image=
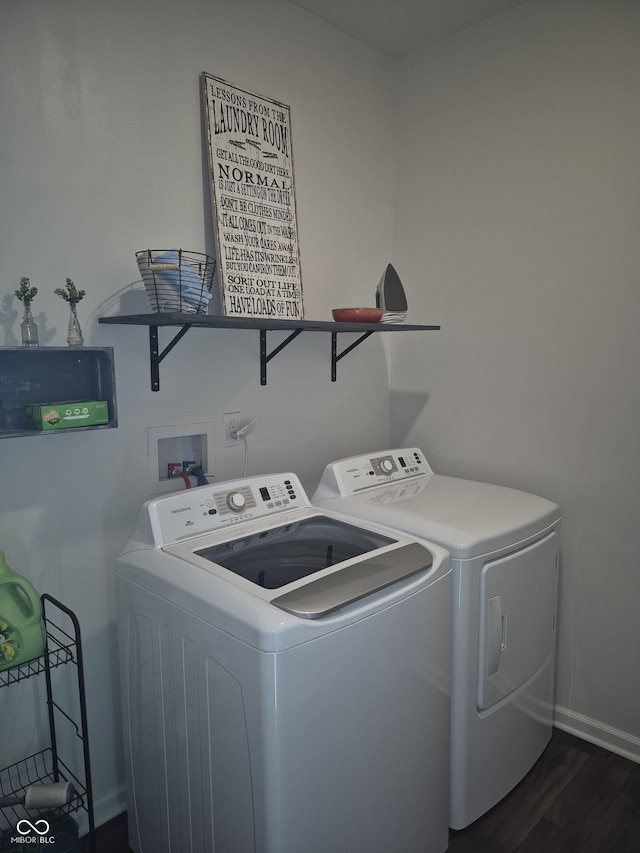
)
(516, 213)
(517, 206)
(100, 156)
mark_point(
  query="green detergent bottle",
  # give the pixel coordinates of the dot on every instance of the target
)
(22, 632)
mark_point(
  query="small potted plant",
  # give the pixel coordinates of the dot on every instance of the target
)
(26, 294)
(72, 295)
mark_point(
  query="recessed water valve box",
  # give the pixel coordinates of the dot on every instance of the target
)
(169, 444)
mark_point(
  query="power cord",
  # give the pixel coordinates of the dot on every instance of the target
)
(242, 435)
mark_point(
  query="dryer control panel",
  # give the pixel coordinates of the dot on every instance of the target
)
(207, 508)
(348, 476)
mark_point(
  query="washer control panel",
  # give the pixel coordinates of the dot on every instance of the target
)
(207, 508)
(348, 476)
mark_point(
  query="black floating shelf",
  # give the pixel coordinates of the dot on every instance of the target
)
(295, 327)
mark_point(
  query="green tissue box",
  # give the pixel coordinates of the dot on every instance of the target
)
(70, 413)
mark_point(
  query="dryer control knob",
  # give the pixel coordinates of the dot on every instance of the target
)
(387, 466)
(236, 501)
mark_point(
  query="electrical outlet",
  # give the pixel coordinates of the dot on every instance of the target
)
(231, 422)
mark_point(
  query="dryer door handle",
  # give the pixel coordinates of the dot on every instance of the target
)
(496, 634)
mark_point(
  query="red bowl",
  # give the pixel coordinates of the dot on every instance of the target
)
(357, 315)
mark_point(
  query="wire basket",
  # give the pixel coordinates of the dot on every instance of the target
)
(177, 281)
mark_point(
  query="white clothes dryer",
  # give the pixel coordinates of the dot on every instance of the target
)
(285, 677)
(504, 548)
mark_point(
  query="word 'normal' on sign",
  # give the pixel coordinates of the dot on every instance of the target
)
(253, 202)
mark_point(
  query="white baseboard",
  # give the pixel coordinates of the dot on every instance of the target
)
(615, 740)
(105, 808)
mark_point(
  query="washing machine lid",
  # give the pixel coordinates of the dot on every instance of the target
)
(320, 563)
(278, 556)
(271, 569)
(398, 488)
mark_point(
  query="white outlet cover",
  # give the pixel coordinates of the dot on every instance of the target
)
(226, 418)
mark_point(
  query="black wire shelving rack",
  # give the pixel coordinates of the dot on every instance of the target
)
(63, 647)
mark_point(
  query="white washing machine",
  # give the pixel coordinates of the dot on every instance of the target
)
(285, 677)
(504, 549)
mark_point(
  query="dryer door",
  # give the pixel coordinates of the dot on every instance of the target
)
(518, 599)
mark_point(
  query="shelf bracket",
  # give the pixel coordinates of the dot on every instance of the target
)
(335, 356)
(265, 357)
(221, 322)
(156, 357)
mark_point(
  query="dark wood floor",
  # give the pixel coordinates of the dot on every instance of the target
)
(577, 799)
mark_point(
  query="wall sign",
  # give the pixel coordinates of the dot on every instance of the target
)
(253, 202)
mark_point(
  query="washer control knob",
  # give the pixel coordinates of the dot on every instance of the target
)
(236, 501)
(387, 466)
